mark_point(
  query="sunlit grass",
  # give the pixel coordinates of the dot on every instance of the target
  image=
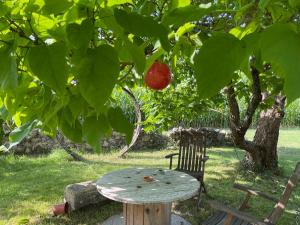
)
(29, 187)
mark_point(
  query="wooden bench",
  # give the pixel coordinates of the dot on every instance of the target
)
(79, 195)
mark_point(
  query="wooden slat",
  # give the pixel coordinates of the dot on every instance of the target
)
(203, 154)
(182, 155)
(124, 212)
(129, 215)
(252, 191)
(245, 223)
(118, 220)
(215, 218)
(194, 157)
(197, 158)
(187, 155)
(236, 221)
(155, 214)
(236, 213)
(138, 214)
(191, 149)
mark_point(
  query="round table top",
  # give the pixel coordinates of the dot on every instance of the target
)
(129, 186)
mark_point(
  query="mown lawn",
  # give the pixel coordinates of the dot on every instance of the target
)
(30, 186)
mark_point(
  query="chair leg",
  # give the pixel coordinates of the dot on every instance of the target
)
(203, 187)
(199, 203)
(201, 190)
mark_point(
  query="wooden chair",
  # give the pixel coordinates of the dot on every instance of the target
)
(192, 155)
(229, 216)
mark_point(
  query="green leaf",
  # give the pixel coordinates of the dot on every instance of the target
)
(3, 9)
(138, 56)
(98, 73)
(110, 21)
(185, 29)
(51, 109)
(147, 8)
(119, 123)
(180, 3)
(263, 4)
(94, 128)
(240, 32)
(142, 26)
(215, 66)
(87, 3)
(158, 53)
(8, 70)
(180, 16)
(77, 105)
(72, 132)
(18, 134)
(79, 35)
(49, 64)
(110, 3)
(278, 14)
(294, 3)
(280, 45)
(56, 6)
(42, 24)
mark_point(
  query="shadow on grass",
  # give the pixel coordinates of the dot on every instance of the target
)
(30, 186)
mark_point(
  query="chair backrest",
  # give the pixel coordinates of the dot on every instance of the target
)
(192, 150)
(280, 206)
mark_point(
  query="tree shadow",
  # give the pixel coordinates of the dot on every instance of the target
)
(43, 182)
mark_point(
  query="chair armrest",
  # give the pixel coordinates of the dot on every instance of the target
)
(241, 215)
(171, 155)
(205, 158)
(255, 192)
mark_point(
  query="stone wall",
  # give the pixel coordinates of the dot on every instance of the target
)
(214, 137)
(145, 141)
(38, 143)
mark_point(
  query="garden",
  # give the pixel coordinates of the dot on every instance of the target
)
(145, 112)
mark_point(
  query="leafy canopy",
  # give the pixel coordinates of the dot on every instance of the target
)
(61, 59)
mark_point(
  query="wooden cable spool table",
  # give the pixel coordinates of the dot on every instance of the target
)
(147, 195)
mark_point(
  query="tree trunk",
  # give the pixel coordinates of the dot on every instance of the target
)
(264, 156)
(261, 153)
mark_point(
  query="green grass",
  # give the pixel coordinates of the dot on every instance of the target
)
(29, 186)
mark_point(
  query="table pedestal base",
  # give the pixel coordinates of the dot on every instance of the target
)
(147, 214)
(119, 219)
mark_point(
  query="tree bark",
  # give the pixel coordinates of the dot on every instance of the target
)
(74, 155)
(261, 153)
(138, 128)
(266, 137)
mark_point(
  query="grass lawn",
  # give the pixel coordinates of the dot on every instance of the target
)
(30, 186)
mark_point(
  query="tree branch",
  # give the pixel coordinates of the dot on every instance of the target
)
(238, 128)
(233, 108)
(37, 38)
(128, 72)
(254, 102)
(17, 29)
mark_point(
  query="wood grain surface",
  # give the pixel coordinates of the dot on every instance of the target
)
(129, 186)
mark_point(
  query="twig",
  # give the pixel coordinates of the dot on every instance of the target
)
(34, 33)
(5, 42)
(128, 72)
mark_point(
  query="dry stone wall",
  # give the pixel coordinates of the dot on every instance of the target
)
(38, 143)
